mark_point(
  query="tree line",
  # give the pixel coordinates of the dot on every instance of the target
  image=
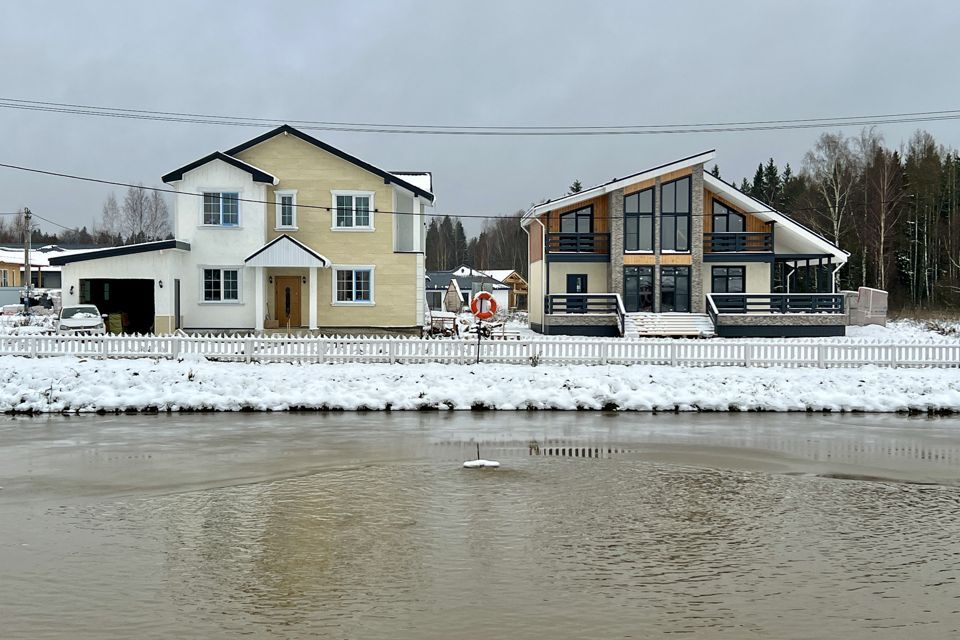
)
(143, 216)
(501, 244)
(895, 210)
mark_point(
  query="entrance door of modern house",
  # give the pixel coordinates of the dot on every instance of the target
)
(287, 294)
(576, 283)
(638, 289)
(674, 289)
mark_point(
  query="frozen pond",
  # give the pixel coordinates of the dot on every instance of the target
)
(597, 525)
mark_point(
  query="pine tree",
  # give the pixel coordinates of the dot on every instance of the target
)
(715, 172)
(576, 187)
(433, 246)
(459, 245)
(772, 185)
(756, 189)
(446, 256)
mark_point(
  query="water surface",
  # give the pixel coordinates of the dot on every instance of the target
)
(364, 526)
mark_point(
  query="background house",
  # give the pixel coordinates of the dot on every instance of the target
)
(443, 288)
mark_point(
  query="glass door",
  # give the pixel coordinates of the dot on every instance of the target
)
(638, 289)
(674, 289)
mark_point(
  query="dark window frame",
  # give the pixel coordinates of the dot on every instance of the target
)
(639, 215)
(725, 274)
(725, 216)
(582, 212)
(676, 216)
(640, 272)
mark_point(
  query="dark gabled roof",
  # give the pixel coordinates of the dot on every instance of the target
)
(441, 280)
(386, 175)
(143, 247)
(259, 175)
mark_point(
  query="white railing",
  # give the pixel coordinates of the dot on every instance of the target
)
(548, 351)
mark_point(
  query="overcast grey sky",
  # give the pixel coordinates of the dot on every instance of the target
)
(458, 63)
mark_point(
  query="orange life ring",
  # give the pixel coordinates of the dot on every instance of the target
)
(477, 306)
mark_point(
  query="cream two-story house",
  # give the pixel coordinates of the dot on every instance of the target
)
(281, 232)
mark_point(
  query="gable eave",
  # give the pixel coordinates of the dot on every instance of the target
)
(366, 166)
(258, 174)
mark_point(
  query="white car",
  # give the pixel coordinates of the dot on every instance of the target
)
(80, 319)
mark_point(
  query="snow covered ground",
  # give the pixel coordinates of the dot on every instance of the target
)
(69, 384)
(26, 325)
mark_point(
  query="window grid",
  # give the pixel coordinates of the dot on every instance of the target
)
(286, 211)
(728, 279)
(353, 211)
(221, 285)
(221, 208)
(726, 219)
(638, 211)
(354, 285)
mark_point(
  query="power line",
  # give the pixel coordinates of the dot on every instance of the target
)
(471, 130)
(378, 211)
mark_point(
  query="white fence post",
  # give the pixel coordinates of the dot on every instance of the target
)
(748, 355)
(821, 360)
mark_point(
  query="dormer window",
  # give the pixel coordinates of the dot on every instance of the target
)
(221, 208)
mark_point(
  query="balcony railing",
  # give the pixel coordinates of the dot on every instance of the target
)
(604, 303)
(579, 243)
(737, 241)
(775, 302)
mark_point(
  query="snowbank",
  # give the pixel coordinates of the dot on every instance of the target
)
(72, 384)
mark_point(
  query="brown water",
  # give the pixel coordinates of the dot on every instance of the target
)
(365, 526)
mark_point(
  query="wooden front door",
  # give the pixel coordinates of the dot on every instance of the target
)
(287, 300)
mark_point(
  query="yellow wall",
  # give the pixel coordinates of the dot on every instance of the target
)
(13, 273)
(596, 273)
(535, 292)
(314, 173)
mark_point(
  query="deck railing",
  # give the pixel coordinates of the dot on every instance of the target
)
(775, 303)
(546, 350)
(581, 303)
(737, 241)
(598, 243)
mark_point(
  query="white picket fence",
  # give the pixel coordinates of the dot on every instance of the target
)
(547, 351)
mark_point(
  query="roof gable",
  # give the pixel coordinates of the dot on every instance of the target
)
(284, 251)
(767, 213)
(386, 175)
(617, 183)
(258, 175)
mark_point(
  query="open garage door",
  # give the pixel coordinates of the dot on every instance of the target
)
(128, 301)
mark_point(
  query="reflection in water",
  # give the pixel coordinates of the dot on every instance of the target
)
(549, 546)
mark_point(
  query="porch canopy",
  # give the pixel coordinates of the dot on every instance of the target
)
(284, 251)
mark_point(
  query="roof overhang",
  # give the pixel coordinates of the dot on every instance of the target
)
(767, 214)
(258, 175)
(618, 183)
(284, 251)
(130, 249)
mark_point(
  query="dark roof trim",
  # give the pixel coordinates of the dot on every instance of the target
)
(291, 239)
(258, 174)
(130, 249)
(386, 175)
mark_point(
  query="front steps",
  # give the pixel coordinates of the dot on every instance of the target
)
(645, 325)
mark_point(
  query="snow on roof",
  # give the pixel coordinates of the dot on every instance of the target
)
(499, 274)
(420, 179)
(39, 258)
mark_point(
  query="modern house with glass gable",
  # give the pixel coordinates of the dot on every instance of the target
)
(281, 232)
(673, 250)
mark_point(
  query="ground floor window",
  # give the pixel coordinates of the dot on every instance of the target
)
(435, 300)
(674, 289)
(221, 285)
(4, 282)
(638, 289)
(728, 280)
(354, 285)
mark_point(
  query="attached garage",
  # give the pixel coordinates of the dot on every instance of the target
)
(138, 286)
(129, 303)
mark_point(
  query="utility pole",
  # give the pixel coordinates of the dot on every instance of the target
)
(27, 232)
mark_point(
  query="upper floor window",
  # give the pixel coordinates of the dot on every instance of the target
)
(221, 208)
(352, 210)
(579, 221)
(638, 221)
(675, 215)
(3, 278)
(726, 219)
(221, 285)
(286, 209)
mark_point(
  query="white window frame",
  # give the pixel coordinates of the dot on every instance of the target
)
(221, 190)
(353, 267)
(352, 194)
(222, 268)
(278, 198)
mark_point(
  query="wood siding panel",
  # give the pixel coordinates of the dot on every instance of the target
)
(676, 258)
(600, 222)
(754, 224)
(639, 259)
(535, 248)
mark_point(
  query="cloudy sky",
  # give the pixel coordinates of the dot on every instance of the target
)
(457, 63)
